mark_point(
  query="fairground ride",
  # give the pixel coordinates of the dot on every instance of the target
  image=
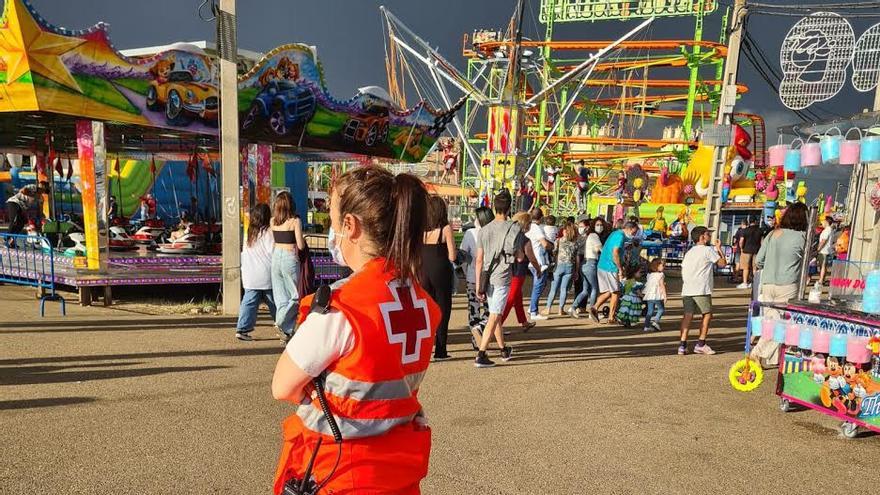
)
(554, 107)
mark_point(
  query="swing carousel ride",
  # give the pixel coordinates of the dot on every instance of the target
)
(608, 128)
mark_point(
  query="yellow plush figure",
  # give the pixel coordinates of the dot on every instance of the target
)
(801, 192)
(638, 193)
(699, 169)
(658, 223)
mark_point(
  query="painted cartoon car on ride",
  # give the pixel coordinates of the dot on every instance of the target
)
(183, 99)
(370, 125)
(282, 105)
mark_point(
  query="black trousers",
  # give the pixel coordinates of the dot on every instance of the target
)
(437, 281)
(17, 218)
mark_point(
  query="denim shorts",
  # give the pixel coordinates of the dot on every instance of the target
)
(497, 297)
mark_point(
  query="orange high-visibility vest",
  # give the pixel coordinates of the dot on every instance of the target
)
(372, 391)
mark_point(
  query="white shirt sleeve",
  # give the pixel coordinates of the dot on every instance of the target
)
(535, 233)
(712, 254)
(320, 341)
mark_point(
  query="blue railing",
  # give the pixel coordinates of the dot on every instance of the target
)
(29, 260)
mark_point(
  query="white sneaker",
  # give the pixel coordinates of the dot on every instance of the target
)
(574, 312)
(536, 317)
(743, 286)
(703, 349)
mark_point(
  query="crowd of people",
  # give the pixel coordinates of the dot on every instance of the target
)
(602, 267)
(583, 268)
(376, 332)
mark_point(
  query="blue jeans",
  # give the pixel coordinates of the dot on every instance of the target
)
(537, 289)
(285, 280)
(561, 279)
(590, 287)
(655, 308)
(250, 303)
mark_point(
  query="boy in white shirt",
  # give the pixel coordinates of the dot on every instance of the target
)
(551, 231)
(697, 272)
(540, 245)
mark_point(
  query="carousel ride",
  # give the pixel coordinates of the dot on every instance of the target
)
(129, 144)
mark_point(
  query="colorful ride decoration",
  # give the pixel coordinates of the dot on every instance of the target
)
(737, 167)
(282, 100)
(667, 188)
(640, 80)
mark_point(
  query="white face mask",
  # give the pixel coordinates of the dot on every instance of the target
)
(581, 230)
(335, 252)
(599, 228)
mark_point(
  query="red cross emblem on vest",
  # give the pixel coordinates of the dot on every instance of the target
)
(407, 320)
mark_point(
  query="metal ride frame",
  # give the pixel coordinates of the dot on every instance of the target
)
(29, 260)
(541, 119)
(693, 98)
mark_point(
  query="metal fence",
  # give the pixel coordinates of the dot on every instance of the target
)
(326, 270)
(29, 260)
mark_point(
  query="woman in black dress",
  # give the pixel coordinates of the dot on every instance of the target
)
(438, 253)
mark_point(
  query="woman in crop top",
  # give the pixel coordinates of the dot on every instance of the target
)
(287, 232)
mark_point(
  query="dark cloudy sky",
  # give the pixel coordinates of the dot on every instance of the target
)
(348, 34)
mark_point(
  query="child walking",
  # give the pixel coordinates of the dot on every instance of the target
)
(630, 310)
(655, 295)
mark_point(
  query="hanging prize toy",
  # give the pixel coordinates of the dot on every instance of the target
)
(725, 189)
(875, 197)
(638, 191)
(746, 375)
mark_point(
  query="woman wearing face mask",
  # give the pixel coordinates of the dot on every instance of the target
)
(600, 227)
(590, 289)
(370, 346)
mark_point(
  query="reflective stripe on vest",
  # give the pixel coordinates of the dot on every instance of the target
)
(341, 386)
(374, 387)
(313, 419)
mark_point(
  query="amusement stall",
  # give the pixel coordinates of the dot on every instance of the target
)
(829, 340)
(129, 147)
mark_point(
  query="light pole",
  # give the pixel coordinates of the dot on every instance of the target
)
(227, 52)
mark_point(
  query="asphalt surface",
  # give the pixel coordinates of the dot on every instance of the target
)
(106, 401)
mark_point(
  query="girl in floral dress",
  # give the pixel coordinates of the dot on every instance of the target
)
(630, 310)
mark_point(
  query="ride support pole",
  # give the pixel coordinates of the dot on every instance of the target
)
(229, 153)
(725, 114)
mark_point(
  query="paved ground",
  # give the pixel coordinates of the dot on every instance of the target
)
(108, 401)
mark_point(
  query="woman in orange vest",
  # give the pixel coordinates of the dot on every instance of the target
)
(369, 347)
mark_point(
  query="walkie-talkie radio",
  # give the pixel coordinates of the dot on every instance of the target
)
(306, 485)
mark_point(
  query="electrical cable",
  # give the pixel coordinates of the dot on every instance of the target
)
(810, 6)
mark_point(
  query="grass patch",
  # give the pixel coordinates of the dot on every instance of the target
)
(245, 97)
(802, 386)
(26, 78)
(139, 86)
(157, 306)
(93, 88)
(328, 118)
